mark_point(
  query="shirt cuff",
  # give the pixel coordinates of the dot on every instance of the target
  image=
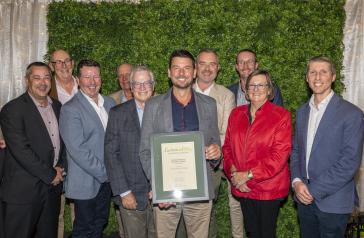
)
(126, 193)
(296, 180)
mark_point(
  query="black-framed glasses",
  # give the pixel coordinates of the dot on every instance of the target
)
(66, 62)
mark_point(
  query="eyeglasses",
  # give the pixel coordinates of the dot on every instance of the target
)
(146, 84)
(59, 63)
(248, 62)
(38, 78)
(259, 87)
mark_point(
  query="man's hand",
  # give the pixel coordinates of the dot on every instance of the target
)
(212, 152)
(59, 176)
(2, 144)
(166, 205)
(129, 201)
(150, 195)
(302, 193)
(244, 188)
(239, 178)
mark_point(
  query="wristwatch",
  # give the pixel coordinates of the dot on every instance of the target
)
(250, 174)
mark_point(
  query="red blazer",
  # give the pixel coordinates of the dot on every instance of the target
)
(262, 147)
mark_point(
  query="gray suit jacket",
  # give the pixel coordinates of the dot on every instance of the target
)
(335, 156)
(122, 162)
(157, 118)
(83, 134)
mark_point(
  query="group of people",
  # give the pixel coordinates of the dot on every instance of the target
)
(64, 140)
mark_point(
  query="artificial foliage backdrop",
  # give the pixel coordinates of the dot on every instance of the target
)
(285, 34)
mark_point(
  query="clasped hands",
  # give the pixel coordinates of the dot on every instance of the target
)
(239, 179)
(59, 176)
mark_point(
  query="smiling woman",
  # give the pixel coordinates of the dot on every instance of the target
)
(256, 150)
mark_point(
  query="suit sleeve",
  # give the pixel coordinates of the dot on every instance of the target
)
(343, 171)
(215, 135)
(227, 150)
(294, 162)
(146, 132)
(113, 162)
(278, 153)
(18, 144)
(71, 129)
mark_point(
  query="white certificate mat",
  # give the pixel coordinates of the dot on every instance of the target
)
(178, 166)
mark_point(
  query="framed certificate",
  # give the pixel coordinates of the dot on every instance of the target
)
(179, 167)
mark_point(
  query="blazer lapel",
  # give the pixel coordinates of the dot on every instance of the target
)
(166, 106)
(134, 116)
(34, 113)
(90, 110)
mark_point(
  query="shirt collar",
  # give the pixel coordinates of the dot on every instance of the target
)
(206, 91)
(175, 100)
(37, 103)
(100, 99)
(323, 103)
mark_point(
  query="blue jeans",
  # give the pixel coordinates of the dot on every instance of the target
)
(91, 215)
(317, 224)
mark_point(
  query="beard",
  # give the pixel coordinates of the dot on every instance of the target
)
(181, 85)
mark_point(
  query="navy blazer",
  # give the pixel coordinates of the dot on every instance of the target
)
(278, 99)
(335, 156)
(123, 167)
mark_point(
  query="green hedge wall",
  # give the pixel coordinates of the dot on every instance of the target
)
(284, 33)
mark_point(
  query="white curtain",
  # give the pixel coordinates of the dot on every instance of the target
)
(23, 39)
(354, 68)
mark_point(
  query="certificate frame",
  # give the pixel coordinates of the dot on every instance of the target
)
(191, 188)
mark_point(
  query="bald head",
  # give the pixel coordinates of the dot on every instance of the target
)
(62, 64)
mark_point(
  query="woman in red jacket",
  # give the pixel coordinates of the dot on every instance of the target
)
(256, 150)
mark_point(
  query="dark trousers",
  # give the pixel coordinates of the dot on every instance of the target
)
(38, 219)
(260, 217)
(91, 215)
(317, 224)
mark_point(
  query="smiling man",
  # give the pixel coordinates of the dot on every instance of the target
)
(83, 123)
(64, 85)
(326, 154)
(182, 109)
(207, 69)
(246, 63)
(128, 181)
(33, 170)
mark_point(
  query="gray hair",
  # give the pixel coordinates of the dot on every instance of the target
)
(140, 69)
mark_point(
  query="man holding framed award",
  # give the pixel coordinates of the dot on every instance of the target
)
(181, 112)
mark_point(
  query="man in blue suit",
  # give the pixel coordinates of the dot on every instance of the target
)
(326, 154)
(83, 123)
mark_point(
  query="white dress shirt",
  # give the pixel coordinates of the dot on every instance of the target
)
(316, 113)
(206, 91)
(99, 108)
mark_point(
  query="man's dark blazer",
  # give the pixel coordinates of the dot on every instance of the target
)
(28, 168)
(122, 140)
(335, 155)
(278, 99)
